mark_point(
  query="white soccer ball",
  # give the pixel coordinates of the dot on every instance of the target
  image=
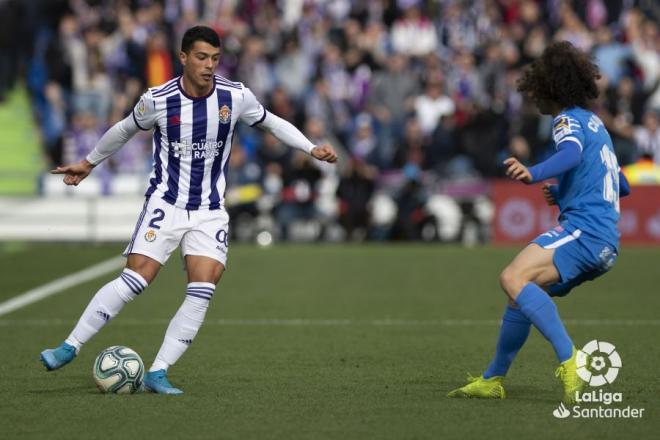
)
(118, 370)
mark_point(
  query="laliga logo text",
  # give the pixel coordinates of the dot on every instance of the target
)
(598, 364)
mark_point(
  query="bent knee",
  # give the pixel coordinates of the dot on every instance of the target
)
(512, 281)
(147, 267)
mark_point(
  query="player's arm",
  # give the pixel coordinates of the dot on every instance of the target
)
(568, 136)
(257, 116)
(110, 142)
(568, 155)
(287, 133)
(116, 137)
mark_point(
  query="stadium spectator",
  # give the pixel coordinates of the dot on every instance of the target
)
(413, 34)
(433, 104)
(391, 99)
(361, 69)
(612, 56)
(354, 193)
(647, 135)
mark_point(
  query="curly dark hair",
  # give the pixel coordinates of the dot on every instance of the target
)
(563, 74)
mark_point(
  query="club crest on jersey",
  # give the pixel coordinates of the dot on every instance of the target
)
(224, 114)
(150, 235)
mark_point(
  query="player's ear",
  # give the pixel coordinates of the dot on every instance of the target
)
(182, 57)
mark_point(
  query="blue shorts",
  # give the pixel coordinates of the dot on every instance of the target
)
(578, 257)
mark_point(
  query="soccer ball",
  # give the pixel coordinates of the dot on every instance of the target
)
(118, 370)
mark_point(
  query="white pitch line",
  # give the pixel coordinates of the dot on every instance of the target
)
(60, 284)
(301, 322)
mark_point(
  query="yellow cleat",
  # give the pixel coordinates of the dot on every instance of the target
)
(567, 373)
(482, 388)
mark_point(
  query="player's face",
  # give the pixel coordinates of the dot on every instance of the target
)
(200, 63)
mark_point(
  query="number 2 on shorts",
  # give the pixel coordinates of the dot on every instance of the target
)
(158, 216)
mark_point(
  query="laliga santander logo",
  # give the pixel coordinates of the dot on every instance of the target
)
(592, 360)
(598, 364)
(561, 412)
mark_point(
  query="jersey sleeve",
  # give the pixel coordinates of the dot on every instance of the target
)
(252, 112)
(567, 128)
(144, 112)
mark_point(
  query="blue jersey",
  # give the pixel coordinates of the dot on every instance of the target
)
(588, 194)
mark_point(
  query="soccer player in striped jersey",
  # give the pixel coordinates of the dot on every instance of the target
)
(585, 245)
(193, 119)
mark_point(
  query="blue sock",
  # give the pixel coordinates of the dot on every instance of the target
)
(513, 334)
(539, 308)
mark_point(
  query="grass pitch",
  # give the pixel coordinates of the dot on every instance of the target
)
(318, 342)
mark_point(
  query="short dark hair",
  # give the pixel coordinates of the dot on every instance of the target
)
(199, 33)
(563, 74)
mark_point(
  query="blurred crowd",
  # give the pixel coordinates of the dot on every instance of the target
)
(418, 96)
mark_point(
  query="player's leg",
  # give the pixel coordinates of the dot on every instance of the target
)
(514, 331)
(205, 252)
(145, 255)
(203, 275)
(532, 267)
(104, 305)
(547, 266)
(521, 281)
(139, 272)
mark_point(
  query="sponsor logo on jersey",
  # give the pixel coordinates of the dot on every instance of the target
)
(562, 128)
(224, 114)
(563, 122)
(150, 235)
(197, 150)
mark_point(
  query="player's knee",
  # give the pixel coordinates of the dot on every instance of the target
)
(212, 276)
(216, 274)
(511, 281)
(147, 267)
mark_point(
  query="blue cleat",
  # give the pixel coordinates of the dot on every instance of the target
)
(55, 358)
(156, 382)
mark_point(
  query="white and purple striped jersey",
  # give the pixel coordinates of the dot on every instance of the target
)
(192, 139)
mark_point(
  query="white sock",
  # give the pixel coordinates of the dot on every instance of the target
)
(105, 305)
(185, 325)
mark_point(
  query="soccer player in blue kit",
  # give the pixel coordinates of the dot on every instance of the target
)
(585, 244)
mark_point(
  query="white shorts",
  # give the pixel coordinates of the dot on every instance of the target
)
(162, 227)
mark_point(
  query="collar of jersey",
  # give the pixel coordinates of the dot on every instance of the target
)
(194, 98)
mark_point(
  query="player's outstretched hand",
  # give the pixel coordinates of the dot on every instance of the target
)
(75, 173)
(325, 153)
(517, 171)
(547, 194)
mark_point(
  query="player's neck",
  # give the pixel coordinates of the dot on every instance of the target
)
(556, 109)
(192, 90)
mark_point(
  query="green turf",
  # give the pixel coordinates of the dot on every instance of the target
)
(22, 158)
(371, 356)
